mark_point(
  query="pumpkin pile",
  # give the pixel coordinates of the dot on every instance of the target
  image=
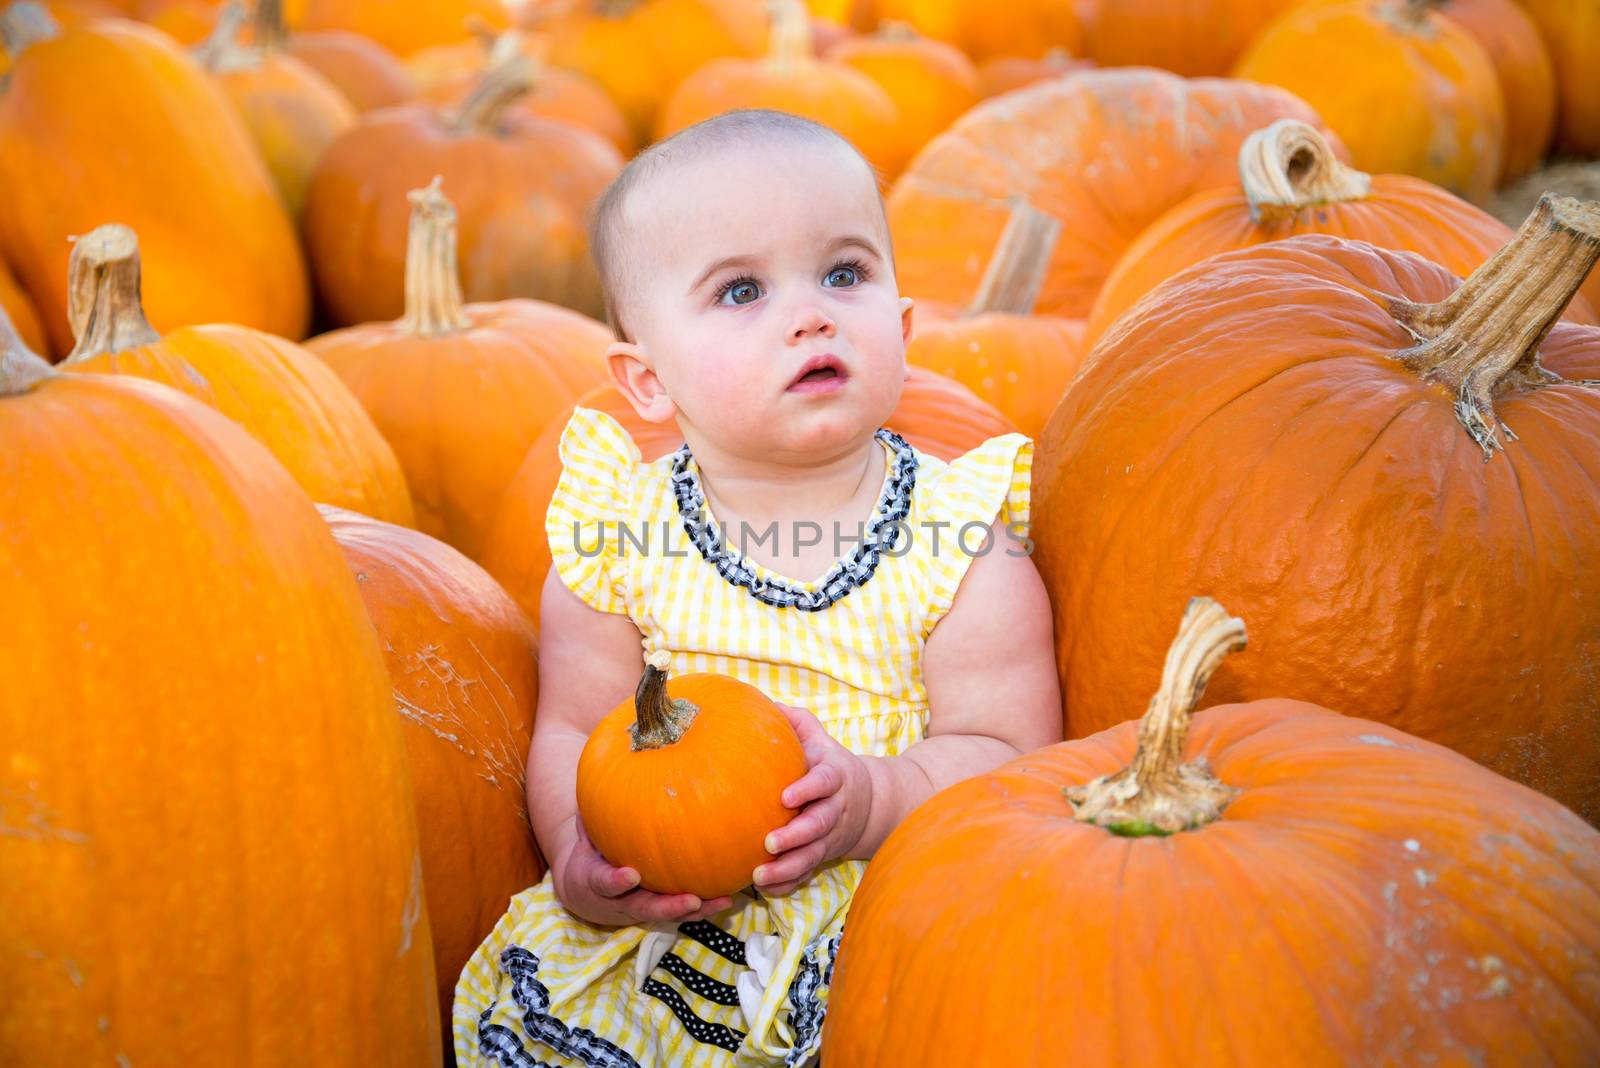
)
(296, 299)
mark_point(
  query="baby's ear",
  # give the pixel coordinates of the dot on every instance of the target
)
(906, 304)
(637, 381)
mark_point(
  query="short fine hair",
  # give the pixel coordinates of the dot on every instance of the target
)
(607, 240)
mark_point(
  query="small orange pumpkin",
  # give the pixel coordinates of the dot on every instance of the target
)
(1571, 32)
(1194, 38)
(1522, 65)
(985, 30)
(683, 783)
(364, 71)
(404, 28)
(16, 305)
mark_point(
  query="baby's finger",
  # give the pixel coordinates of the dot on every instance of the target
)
(709, 909)
(647, 907)
(805, 725)
(794, 864)
(812, 825)
(823, 780)
(606, 881)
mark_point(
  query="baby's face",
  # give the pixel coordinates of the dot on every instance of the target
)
(753, 268)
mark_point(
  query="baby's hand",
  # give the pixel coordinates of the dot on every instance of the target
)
(836, 793)
(592, 889)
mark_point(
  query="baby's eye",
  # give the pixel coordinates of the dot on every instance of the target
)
(739, 291)
(842, 277)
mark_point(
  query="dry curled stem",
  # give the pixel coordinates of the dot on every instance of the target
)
(433, 285)
(1289, 166)
(659, 721)
(1021, 260)
(103, 302)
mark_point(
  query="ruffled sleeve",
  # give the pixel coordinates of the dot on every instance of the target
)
(591, 500)
(988, 485)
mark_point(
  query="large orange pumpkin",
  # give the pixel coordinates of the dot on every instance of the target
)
(931, 83)
(1103, 151)
(1188, 37)
(987, 30)
(292, 111)
(362, 69)
(938, 415)
(208, 834)
(791, 78)
(523, 188)
(1017, 361)
(1319, 431)
(463, 666)
(285, 397)
(1291, 183)
(683, 782)
(461, 390)
(186, 176)
(1571, 31)
(641, 50)
(1409, 90)
(404, 28)
(1522, 66)
(1309, 889)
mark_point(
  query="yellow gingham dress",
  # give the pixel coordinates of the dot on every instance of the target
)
(749, 987)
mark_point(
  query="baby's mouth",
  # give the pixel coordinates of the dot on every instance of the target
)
(819, 373)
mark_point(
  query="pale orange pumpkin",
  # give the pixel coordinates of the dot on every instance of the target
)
(639, 51)
(463, 667)
(1409, 90)
(1522, 67)
(1320, 431)
(1189, 37)
(283, 395)
(938, 415)
(791, 78)
(461, 390)
(986, 30)
(931, 83)
(404, 28)
(1017, 361)
(1291, 183)
(119, 90)
(292, 112)
(523, 187)
(1105, 152)
(683, 782)
(208, 830)
(1307, 889)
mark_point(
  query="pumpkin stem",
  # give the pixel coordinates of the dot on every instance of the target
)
(1021, 260)
(1157, 794)
(23, 24)
(103, 294)
(271, 33)
(1483, 340)
(506, 79)
(221, 51)
(1289, 166)
(789, 47)
(433, 285)
(20, 369)
(659, 721)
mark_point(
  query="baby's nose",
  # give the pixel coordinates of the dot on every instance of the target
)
(811, 321)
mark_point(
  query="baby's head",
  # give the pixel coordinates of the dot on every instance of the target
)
(737, 255)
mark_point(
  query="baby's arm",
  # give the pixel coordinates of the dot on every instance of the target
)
(989, 668)
(589, 662)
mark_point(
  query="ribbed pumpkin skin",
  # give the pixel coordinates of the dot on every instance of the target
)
(1402, 212)
(1377, 899)
(293, 113)
(522, 196)
(691, 817)
(1246, 432)
(402, 28)
(230, 254)
(1021, 364)
(209, 829)
(984, 30)
(1522, 66)
(461, 409)
(931, 83)
(1416, 98)
(641, 51)
(1190, 37)
(1123, 146)
(462, 661)
(936, 414)
(1571, 32)
(835, 95)
(19, 309)
(362, 69)
(286, 399)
